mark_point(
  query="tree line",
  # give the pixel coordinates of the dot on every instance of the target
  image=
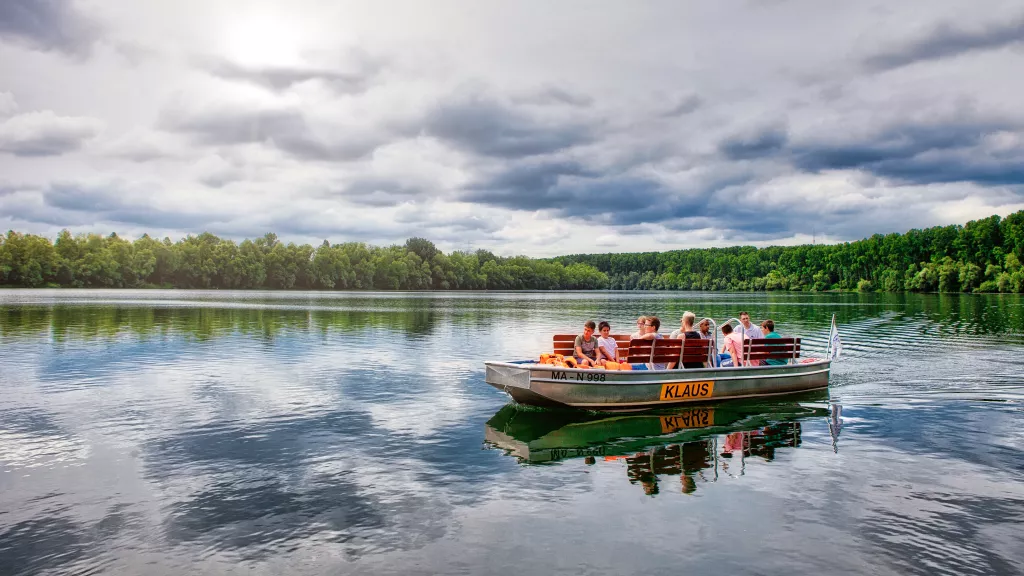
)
(206, 261)
(981, 256)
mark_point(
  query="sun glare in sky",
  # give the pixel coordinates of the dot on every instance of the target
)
(262, 39)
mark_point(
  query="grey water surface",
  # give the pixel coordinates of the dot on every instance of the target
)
(213, 432)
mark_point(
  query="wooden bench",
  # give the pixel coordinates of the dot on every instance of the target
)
(563, 344)
(668, 351)
(757, 349)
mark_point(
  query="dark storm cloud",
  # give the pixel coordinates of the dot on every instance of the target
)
(285, 129)
(526, 185)
(45, 134)
(892, 143)
(731, 198)
(219, 127)
(487, 127)
(758, 143)
(279, 78)
(570, 189)
(567, 190)
(953, 169)
(553, 95)
(42, 145)
(311, 224)
(7, 189)
(647, 202)
(220, 179)
(948, 40)
(381, 192)
(686, 105)
(920, 154)
(48, 25)
(81, 198)
(452, 225)
(81, 204)
(753, 223)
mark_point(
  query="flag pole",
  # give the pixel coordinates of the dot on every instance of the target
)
(828, 350)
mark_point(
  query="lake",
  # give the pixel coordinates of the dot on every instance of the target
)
(210, 432)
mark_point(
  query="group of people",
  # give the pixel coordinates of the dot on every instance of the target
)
(591, 351)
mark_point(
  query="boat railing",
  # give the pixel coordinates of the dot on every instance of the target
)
(743, 334)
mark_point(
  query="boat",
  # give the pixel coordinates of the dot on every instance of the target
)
(534, 383)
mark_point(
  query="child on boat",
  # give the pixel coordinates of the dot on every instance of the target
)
(732, 349)
(641, 328)
(651, 326)
(607, 347)
(768, 327)
(585, 346)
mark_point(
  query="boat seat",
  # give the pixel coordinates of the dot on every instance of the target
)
(562, 344)
(667, 351)
(771, 349)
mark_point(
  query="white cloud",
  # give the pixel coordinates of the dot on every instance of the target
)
(45, 133)
(8, 105)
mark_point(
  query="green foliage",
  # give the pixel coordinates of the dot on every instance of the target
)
(981, 256)
(206, 261)
(977, 256)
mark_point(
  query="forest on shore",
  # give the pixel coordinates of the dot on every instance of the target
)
(982, 256)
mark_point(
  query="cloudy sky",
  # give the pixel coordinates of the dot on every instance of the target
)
(536, 128)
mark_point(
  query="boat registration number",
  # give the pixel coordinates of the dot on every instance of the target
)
(687, 390)
(696, 418)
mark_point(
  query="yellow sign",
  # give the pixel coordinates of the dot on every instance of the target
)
(696, 418)
(687, 390)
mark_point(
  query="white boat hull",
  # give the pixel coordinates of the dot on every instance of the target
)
(539, 384)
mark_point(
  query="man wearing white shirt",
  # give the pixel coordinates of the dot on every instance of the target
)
(750, 330)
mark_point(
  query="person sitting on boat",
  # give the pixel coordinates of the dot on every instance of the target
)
(585, 346)
(768, 326)
(607, 347)
(651, 327)
(704, 329)
(640, 328)
(686, 330)
(750, 330)
(732, 349)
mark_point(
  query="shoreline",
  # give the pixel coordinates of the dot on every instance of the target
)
(485, 291)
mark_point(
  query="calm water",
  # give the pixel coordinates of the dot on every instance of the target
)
(168, 432)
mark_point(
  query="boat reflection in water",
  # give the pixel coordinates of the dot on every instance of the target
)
(698, 443)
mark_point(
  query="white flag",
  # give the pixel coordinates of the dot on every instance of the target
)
(835, 345)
